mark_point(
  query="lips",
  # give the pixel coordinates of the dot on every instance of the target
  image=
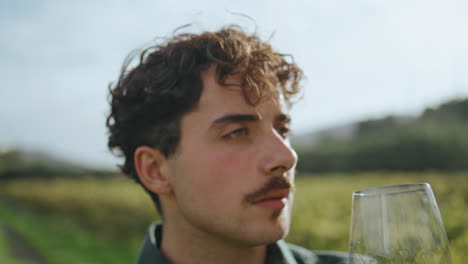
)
(275, 200)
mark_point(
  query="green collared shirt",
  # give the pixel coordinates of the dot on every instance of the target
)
(277, 253)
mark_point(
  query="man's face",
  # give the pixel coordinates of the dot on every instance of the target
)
(232, 173)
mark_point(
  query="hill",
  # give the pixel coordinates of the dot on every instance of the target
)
(15, 163)
(437, 139)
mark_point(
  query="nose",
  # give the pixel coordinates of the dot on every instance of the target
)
(278, 155)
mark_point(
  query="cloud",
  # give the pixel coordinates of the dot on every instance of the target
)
(363, 58)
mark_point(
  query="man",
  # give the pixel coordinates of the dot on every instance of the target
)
(202, 122)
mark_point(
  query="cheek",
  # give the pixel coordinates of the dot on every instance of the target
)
(224, 179)
(216, 181)
(230, 167)
(209, 175)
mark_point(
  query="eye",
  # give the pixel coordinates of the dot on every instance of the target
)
(243, 131)
(284, 131)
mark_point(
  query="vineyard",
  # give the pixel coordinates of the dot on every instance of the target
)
(104, 221)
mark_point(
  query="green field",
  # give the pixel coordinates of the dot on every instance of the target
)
(104, 221)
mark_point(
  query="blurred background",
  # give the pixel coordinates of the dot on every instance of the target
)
(385, 102)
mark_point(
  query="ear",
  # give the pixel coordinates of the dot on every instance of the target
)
(152, 168)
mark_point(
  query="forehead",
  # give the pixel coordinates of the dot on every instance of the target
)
(231, 94)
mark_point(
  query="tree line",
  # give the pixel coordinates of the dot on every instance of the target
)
(437, 139)
(17, 164)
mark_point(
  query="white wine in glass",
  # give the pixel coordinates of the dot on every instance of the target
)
(398, 224)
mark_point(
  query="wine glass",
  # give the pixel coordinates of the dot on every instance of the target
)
(398, 224)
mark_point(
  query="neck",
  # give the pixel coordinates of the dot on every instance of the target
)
(182, 246)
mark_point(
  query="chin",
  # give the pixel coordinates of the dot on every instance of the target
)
(268, 233)
(268, 238)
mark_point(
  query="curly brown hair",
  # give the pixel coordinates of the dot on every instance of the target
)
(148, 101)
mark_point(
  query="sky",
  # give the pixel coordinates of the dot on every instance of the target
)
(363, 59)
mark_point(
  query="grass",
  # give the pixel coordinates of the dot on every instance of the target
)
(5, 252)
(104, 221)
(5, 256)
(322, 207)
(62, 241)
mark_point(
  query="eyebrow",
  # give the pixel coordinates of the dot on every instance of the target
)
(236, 118)
(283, 118)
(248, 118)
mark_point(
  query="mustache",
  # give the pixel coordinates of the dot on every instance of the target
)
(275, 183)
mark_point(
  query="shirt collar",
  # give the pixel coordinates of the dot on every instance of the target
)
(277, 253)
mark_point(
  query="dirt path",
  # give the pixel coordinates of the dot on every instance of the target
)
(20, 248)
